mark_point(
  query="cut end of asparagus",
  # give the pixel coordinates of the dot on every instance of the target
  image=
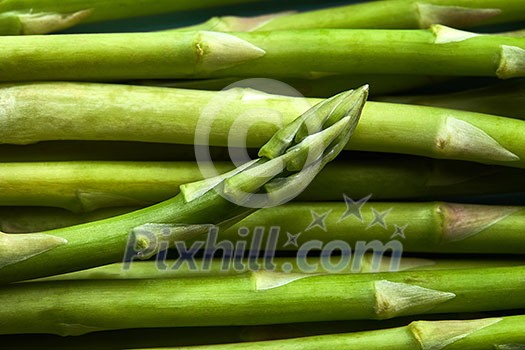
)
(216, 51)
(454, 16)
(438, 335)
(292, 158)
(461, 140)
(400, 299)
(511, 62)
(15, 248)
(462, 221)
(446, 35)
(48, 22)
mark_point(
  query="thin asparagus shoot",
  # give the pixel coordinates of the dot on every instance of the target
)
(439, 51)
(471, 334)
(390, 14)
(80, 111)
(261, 297)
(31, 17)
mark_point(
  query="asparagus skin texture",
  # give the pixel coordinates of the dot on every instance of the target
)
(203, 54)
(75, 111)
(505, 99)
(258, 298)
(396, 14)
(475, 334)
(45, 16)
(219, 201)
(418, 227)
(87, 186)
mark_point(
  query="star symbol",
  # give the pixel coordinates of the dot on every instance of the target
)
(318, 220)
(353, 208)
(400, 231)
(292, 239)
(379, 218)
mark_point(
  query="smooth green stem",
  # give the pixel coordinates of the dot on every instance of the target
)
(45, 16)
(218, 201)
(88, 186)
(480, 334)
(151, 270)
(390, 14)
(82, 111)
(410, 227)
(253, 298)
(416, 227)
(505, 99)
(296, 54)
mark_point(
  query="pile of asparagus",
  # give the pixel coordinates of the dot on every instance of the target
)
(345, 177)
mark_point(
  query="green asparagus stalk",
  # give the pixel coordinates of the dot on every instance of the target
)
(202, 54)
(390, 14)
(407, 227)
(45, 16)
(150, 269)
(76, 111)
(88, 186)
(361, 227)
(254, 298)
(478, 334)
(288, 161)
(505, 99)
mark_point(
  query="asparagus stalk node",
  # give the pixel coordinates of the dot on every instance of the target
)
(211, 202)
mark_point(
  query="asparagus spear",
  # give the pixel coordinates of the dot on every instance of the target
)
(278, 174)
(476, 334)
(390, 14)
(253, 299)
(202, 54)
(376, 227)
(504, 99)
(87, 186)
(45, 16)
(75, 111)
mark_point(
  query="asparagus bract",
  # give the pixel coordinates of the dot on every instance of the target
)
(203, 54)
(219, 201)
